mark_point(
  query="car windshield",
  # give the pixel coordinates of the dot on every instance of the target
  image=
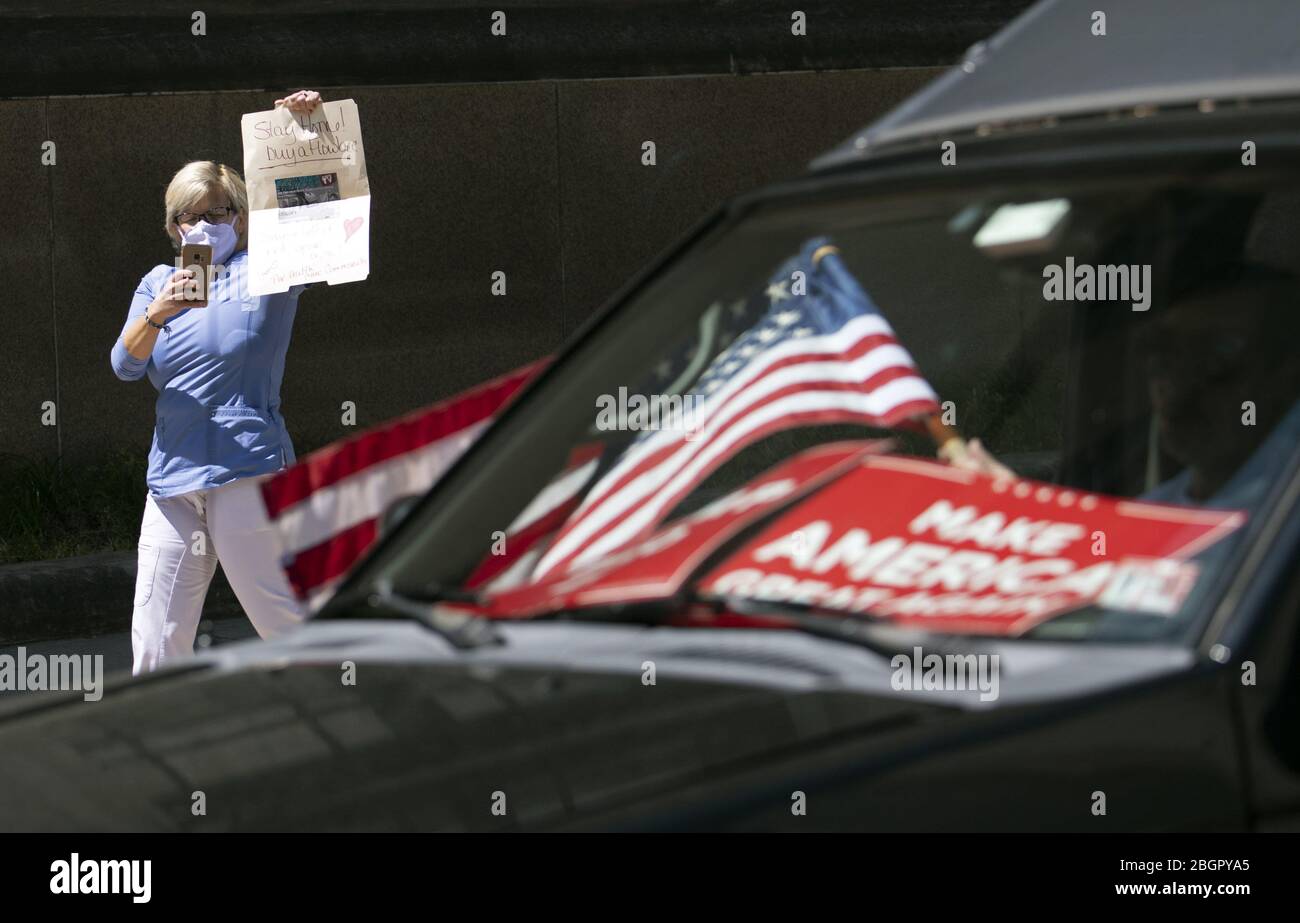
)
(1120, 349)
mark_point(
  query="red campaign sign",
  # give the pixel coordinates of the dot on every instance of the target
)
(657, 567)
(928, 545)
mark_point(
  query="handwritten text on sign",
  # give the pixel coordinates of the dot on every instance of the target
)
(330, 243)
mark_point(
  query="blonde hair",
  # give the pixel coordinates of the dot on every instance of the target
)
(194, 181)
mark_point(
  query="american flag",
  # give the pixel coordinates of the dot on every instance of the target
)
(820, 352)
(821, 355)
(326, 508)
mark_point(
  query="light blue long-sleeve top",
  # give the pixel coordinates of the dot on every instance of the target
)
(218, 371)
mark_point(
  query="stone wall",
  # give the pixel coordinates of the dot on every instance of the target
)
(541, 179)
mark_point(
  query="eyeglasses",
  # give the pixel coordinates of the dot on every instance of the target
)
(215, 215)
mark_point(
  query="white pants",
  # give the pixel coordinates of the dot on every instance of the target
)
(181, 540)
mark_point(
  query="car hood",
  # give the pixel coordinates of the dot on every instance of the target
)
(347, 725)
(1030, 672)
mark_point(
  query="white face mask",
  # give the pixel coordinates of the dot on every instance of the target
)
(221, 237)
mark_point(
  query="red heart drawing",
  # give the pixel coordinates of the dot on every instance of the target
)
(351, 226)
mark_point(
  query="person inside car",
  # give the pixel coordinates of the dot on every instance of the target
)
(1223, 376)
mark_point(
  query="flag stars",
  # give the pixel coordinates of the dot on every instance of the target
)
(786, 318)
(801, 332)
(777, 292)
(767, 335)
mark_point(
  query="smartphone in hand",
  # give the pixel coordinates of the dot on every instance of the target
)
(197, 257)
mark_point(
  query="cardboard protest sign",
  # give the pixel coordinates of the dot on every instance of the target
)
(657, 567)
(950, 550)
(308, 197)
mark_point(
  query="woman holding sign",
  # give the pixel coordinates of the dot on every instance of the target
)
(216, 356)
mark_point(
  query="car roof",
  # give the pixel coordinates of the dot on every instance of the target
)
(1048, 64)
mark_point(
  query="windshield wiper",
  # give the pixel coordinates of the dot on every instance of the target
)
(862, 629)
(462, 630)
(467, 631)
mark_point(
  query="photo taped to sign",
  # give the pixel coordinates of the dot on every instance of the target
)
(313, 189)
